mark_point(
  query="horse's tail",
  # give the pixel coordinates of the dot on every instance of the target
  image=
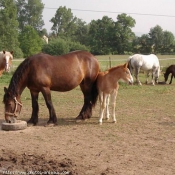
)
(129, 63)
(94, 93)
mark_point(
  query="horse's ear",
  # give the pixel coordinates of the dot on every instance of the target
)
(4, 51)
(5, 89)
(12, 52)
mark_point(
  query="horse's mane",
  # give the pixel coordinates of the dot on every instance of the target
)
(114, 68)
(18, 76)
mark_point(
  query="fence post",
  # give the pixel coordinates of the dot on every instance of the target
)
(109, 62)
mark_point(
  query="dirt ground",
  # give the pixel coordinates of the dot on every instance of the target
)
(142, 142)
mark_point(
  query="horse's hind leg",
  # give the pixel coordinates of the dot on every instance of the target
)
(86, 111)
(52, 115)
(35, 108)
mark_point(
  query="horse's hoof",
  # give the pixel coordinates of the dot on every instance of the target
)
(50, 124)
(30, 124)
(79, 120)
(100, 123)
(114, 122)
(107, 119)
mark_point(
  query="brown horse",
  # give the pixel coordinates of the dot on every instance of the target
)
(5, 61)
(170, 70)
(44, 73)
(107, 85)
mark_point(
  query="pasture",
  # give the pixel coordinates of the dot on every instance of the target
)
(141, 142)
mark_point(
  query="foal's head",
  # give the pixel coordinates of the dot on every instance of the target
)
(125, 74)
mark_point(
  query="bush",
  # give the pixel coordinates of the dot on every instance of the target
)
(56, 47)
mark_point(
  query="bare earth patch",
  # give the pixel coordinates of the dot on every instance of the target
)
(142, 142)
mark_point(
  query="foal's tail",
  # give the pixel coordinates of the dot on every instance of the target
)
(94, 93)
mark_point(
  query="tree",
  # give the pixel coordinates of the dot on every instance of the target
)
(30, 41)
(64, 23)
(29, 12)
(156, 36)
(100, 35)
(9, 27)
(123, 34)
(168, 42)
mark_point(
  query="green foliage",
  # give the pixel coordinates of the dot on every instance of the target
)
(30, 42)
(63, 22)
(30, 13)
(8, 26)
(56, 47)
(60, 46)
(77, 46)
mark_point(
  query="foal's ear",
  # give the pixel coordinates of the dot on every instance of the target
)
(4, 51)
(12, 52)
(125, 65)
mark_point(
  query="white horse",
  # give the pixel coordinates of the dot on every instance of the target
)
(45, 38)
(5, 61)
(146, 63)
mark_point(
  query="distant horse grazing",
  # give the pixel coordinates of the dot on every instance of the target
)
(43, 73)
(45, 38)
(5, 61)
(107, 85)
(170, 70)
(146, 63)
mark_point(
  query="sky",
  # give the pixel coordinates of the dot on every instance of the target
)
(147, 13)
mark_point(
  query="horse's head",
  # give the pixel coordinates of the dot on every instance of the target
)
(126, 74)
(12, 106)
(166, 76)
(8, 57)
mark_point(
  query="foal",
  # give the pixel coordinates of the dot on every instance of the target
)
(107, 84)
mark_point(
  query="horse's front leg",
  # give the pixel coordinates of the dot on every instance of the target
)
(147, 76)
(171, 79)
(52, 115)
(35, 108)
(113, 103)
(137, 70)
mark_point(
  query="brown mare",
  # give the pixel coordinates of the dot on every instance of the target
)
(45, 73)
(107, 85)
(5, 61)
(170, 70)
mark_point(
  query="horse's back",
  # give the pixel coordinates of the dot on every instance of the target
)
(63, 72)
(145, 62)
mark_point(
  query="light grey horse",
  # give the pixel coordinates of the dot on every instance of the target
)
(148, 63)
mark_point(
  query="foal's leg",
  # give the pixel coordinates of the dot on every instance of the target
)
(35, 108)
(52, 115)
(103, 106)
(107, 107)
(113, 103)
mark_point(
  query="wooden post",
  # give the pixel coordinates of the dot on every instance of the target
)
(109, 62)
